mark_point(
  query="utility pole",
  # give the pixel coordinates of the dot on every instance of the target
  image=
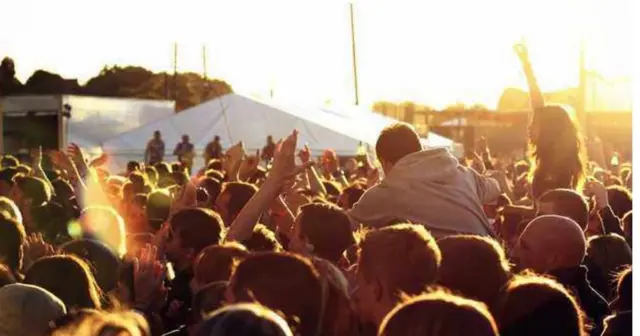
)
(353, 54)
(174, 92)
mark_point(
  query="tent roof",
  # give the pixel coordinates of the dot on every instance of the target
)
(234, 117)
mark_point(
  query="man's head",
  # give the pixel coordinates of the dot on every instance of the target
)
(158, 208)
(567, 203)
(9, 161)
(282, 282)
(133, 166)
(28, 310)
(106, 225)
(262, 240)
(185, 138)
(157, 135)
(397, 259)
(30, 192)
(216, 138)
(394, 143)
(190, 231)
(6, 180)
(216, 263)
(12, 237)
(322, 229)
(232, 199)
(620, 200)
(550, 242)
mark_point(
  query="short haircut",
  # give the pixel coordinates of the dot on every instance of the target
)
(105, 224)
(208, 298)
(77, 288)
(215, 174)
(439, 313)
(620, 200)
(352, 194)
(244, 319)
(103, 262)
(133, 166)
(262, 240)
(474, 266)
(568, 203)
(239, 195)
(34, 188)
(327, 228)
(214, 164)
(12, 236)
(397, 141)
(607, 255)
(158, 208)
(7, 174)
(197, 228)
(217, 262)
(393, 254)
(212, 186)
(283, 282)
(539, 306)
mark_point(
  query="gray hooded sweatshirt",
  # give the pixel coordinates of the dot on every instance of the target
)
(430, 188)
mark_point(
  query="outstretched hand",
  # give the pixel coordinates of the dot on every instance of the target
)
(148, 278)
(284, 165)
(35, 248)
(36, 156)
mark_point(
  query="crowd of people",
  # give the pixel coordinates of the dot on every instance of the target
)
(280, 243)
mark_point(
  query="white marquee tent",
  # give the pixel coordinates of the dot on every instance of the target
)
(235, 117)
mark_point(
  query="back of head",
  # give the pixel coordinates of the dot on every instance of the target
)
(12, 236)
(474, 266)
(133, 166)
(550, 242)
(244, 319)
(262, 240)
(239, 195)
(216, 262)
(27, 310)
(208, 299)
(397, 141)
(158, 208)
(34, 189)
(439, 313)
(152, 175)
(100, 323)
(104, 263)
(77, 288)
(9, 161)
(620, 200)
(327, 228)
(283, 282)
(610, 254)
(404, 258)
(106, 225)
(624, 291)
(540, 306)
(567, 203)
(212, 186)
(197, 227)
(10, 208)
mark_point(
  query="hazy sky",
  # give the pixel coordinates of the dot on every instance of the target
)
(433, 52)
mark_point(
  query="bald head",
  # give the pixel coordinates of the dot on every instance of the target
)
(550, 242)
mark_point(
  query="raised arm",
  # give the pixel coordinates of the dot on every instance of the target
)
(311, 175)
(284, 168)
(537, 100)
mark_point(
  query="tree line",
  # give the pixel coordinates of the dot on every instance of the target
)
(187, 89)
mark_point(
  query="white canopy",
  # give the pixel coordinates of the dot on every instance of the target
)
(236, 118)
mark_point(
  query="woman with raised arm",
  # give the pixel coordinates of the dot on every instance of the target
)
(556, 145)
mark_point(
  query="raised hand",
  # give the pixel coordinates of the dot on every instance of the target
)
(284, 165)
(36, 156)
(101, 160)
(148, 280)
(35, 248)
(598, 191)
(76, 154)
(305, 154)
(521, 50)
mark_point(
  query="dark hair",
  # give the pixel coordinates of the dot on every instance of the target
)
(212, 186)
(208, 299)
(624, 290)
(214, 164)
(67, 277)
(283, 282)
(539, 306)
(215, 174)
(352, 195)
(327, 228)
(197, 228)
(158, 208)
(12, 236)
(619, 200)
(63, 189)
(103, 262)
(262, 240)
(244, 319)
(439, 313)
(7, 174)
(34, 188)
(163, 169)
(568, 203)
(397, 141)
(239, 194)
(133, 166)
(558, 152)
(474, 266)
(216, 262)
(333, 190)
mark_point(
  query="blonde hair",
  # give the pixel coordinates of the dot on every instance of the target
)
(98, 323)
(10, 207)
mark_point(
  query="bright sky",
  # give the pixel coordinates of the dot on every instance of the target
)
(432, 52)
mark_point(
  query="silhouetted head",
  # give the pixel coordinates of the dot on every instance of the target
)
(394, 143)
(244, 319)
(567, 203)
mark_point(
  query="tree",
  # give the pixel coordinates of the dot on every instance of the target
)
(9, 84)
(44, 82)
